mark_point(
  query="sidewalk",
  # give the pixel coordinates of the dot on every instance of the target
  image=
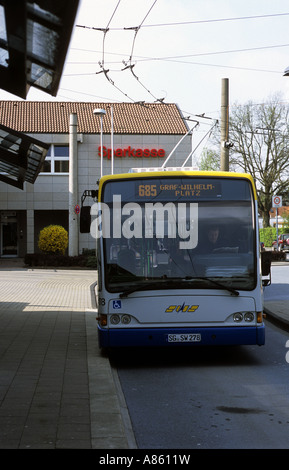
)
(278, 310)
(56, 390)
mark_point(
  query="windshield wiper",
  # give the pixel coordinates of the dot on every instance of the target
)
(149, 286)
(216, 283)
(170, 281)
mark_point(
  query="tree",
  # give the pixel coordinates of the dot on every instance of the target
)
(260, 134)
(210, 160)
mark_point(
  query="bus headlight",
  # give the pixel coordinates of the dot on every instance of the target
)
(249, 316)
(125, 319)
(114, 319)
(238, 317)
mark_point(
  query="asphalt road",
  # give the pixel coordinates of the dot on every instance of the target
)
(210, 398)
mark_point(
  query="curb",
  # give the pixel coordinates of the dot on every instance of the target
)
(276, 319)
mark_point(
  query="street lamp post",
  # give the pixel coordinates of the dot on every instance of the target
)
(112, 149)
(100, 112)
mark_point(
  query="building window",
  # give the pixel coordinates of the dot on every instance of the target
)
(57, 160)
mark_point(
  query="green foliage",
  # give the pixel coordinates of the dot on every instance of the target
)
(91, 262)
(268, 234)
(53, 239)
(61, 261)
(210, 161)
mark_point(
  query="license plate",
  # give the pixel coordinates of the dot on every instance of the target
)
(184, 338)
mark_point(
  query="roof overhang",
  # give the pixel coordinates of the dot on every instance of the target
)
(21, 157)
(34, 39)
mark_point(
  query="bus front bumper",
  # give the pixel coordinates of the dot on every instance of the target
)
(155, 337)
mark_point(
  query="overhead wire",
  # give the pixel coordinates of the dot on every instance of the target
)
(174, 58)
(169, 59)
(217, 20)
(129, 65)
(138, 27)
(105, 30)
(104, 70)
(182, 23)
(200, 54)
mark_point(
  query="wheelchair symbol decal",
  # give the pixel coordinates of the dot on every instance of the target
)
(116, 304)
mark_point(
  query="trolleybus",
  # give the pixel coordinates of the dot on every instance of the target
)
(178, 259)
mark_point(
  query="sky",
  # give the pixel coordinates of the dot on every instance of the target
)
(177, 51)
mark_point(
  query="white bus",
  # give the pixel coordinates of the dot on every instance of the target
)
(178, 259)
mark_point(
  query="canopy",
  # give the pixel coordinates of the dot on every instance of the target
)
(34, 38)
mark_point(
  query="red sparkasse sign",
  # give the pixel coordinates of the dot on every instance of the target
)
(132, 152)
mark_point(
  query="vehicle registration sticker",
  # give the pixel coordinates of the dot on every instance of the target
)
(184, 338)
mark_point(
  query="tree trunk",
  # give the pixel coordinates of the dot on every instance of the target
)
(266, 212)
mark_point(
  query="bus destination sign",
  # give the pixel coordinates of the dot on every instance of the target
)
(177, 190)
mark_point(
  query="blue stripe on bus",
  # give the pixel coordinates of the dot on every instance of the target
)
(133, 337)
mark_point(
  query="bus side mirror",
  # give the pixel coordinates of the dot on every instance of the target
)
(85, 219)
(266, 267)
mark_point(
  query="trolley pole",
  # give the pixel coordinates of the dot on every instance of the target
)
(225, 144)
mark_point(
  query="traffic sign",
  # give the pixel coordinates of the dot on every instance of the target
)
(277, 201)
(77, 209)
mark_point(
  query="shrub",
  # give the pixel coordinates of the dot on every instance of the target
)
(53, 239)
(91, 262)
(50, 259)
(268, 234)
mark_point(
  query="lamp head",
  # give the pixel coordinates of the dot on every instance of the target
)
(99, 112)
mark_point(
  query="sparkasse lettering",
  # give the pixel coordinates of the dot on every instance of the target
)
(131, 152)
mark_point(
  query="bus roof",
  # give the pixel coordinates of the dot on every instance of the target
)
(167, 172)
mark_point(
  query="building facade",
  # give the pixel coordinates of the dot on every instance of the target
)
(139, 136)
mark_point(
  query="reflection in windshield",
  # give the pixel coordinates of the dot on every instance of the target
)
(223, 251)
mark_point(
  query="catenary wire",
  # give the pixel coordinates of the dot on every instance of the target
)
(105, 71)
(131, 66)
(174, 58)
(191, 55)
(182, 23)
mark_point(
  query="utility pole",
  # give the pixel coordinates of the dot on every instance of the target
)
(225, 144)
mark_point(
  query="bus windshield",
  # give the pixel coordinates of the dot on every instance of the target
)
(178, 232)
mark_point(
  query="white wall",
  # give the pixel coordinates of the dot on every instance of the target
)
(50, 192)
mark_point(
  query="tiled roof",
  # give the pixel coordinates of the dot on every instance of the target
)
(128, 118)
(282, 211)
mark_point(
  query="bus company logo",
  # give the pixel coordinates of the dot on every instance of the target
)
(182, 308)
